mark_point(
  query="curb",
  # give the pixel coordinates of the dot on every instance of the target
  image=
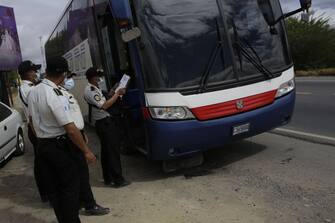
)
(314, 138)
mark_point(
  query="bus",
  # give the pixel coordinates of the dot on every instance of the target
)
(204, 73)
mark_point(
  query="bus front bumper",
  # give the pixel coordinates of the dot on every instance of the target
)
(174, 139)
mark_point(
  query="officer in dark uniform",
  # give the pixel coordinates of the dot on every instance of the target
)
(27, 71)
(106, 127)
(57, 134)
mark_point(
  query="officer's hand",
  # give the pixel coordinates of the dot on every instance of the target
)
(85, 138)
(90, 157)
(121, 91)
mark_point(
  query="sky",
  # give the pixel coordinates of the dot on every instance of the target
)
(37, 18)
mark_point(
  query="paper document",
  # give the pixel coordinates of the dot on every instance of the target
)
(123, 82)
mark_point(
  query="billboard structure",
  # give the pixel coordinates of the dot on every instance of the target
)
(10, 51)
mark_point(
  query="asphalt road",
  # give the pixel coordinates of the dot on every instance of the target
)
(315, 106)
(264, 179)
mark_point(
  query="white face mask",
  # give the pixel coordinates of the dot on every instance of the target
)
(100, 80)
(68, 84)
(37, 78)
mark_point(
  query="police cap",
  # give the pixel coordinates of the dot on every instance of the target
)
(27, 66)
(93, 72)
(57, 65)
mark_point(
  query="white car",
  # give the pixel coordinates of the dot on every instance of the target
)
(11, 133)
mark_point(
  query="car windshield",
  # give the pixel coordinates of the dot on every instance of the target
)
(177, 42)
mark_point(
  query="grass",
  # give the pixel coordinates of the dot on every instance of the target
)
(317, 72)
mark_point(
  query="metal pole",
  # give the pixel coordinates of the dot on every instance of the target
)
(42, 53)
(4, 97)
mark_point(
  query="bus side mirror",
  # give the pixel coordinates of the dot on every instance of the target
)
(131, 34)
(272, 15)
(305, 4)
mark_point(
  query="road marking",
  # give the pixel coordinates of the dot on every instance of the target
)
(304, 93)
(315, 138)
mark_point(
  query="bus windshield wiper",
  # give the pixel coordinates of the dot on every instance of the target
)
(242, 47)
(212, 60)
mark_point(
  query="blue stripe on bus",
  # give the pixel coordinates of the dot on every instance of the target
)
(169, 140)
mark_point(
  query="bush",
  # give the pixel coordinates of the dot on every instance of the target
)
(312, 43)
(320, 72)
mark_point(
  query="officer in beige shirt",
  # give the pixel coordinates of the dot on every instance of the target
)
(106, 128)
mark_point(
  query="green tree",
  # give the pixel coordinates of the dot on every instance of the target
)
(12, 78)
(312, 43)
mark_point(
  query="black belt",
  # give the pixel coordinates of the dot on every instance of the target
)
(55, 139)
(108, 118)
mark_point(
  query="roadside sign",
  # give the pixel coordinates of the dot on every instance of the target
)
(10, 51)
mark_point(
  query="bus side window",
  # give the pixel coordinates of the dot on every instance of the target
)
(124, 59)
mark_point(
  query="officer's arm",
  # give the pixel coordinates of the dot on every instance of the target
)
(113, 99)
(77, 138)
(32, 125)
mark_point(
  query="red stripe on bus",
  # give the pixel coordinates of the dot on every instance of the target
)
(235, 106)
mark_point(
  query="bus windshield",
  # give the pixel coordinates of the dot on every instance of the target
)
(179, 38)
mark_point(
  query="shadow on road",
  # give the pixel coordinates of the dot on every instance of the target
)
(138, 169)
(21, 189)
(9, 215)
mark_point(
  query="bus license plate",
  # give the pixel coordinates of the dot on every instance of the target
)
(241, 129)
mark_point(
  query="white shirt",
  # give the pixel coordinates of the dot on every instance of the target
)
(76, 114)
(24, 91)
(94, 96)
(49, 109)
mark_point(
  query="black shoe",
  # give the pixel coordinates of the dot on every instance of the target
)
(44, 198)
(108, 183)
(120, 184)
(97, 210)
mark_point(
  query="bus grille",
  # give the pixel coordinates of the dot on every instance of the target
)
(235, 106)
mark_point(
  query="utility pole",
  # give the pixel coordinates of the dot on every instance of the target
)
(42, 53)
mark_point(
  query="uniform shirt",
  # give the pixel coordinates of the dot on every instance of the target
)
(24, 91)
(49, 109)
(93, 96)
(74, 109)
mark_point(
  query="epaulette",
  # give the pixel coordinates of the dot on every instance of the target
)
(31, 85)
(92, 88)
(58, 92)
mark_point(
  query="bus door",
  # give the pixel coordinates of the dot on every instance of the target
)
(117, 62)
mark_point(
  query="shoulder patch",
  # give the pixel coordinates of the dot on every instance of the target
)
(58, 92)
(97, 97)
(71, 100)
(92, 88)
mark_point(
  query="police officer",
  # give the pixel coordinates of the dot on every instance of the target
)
(107, 129)
(27, 71)
(86, 195)
(57, 134)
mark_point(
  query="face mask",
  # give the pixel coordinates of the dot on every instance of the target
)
(37, 78)
(68, 84)
(100, 80)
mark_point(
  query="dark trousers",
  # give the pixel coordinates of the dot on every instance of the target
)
(38, 167)
(63, 178)
(109, 135)
(86, 197)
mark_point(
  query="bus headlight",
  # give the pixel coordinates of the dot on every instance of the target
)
(285, 88)
(171, 113)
